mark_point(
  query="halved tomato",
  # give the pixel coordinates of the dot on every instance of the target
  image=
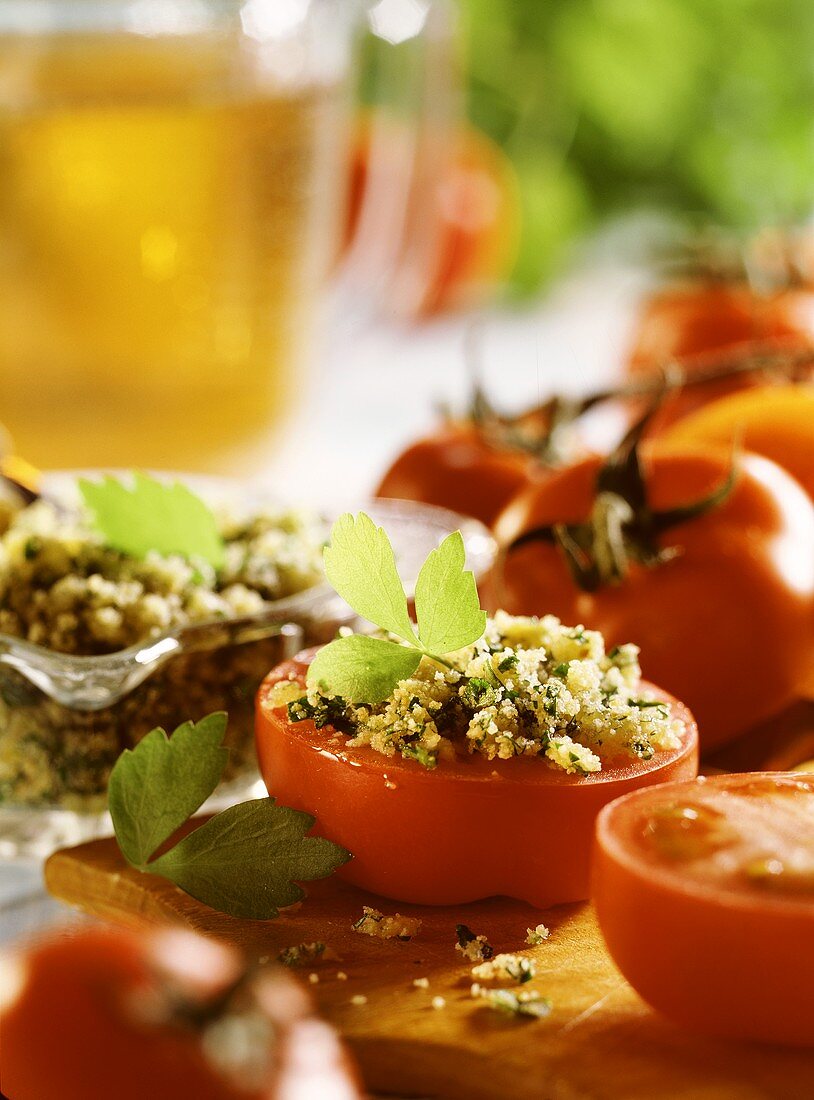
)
(704, 892)
(469, 829)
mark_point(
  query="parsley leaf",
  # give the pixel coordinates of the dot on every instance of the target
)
(151, 515)
(362, 669)
(446, 600)
(156, 786)
(245, 861)
(361, 566)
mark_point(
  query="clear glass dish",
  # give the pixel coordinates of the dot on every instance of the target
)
(64, 719)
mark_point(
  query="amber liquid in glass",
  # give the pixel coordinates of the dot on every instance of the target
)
(166, 224)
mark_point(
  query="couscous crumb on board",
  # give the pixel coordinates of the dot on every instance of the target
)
(396, 927)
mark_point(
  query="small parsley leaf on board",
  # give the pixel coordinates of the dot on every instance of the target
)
(446, 600)
(156, 786)
(361, 566)
(362, 669)
(245, 861)
(153, 515)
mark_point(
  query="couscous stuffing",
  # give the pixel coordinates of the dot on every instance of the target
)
(62, 588)
(527, 687)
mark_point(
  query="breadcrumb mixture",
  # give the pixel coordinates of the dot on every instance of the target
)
(62, 588)
(528, 687)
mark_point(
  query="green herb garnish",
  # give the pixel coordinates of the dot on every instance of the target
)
(152, 515)
(245, 861)
(361, 566)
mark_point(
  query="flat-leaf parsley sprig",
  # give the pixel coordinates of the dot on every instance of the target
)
(151, 515)
(361, 566)
(246, 861)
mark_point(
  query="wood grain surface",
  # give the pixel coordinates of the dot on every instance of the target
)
(601, 1041)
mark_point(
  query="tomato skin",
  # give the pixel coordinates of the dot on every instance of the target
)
(469, 829)
(733, 610)
(717, 963)
(455, 468)
(80, 1026)
(696, 323)
(774, 421)
(75, 993)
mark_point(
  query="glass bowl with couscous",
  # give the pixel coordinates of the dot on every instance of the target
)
(98, 646)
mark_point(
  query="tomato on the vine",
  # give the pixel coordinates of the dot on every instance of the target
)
(720, 873)
(469, 829)
(458, 468)
(699, 322)
(775, 421)
(720, 596)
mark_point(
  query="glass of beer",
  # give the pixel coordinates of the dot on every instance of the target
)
(172, 190)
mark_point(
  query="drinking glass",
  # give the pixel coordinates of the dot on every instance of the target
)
(172, 193)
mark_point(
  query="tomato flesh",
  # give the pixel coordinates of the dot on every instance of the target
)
(704, 891)
(469, 829)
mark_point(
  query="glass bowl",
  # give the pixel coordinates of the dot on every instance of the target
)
(64, 719)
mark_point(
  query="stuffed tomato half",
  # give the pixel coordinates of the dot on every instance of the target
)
(481, 778)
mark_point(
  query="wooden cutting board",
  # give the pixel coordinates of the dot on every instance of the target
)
(601, 1042)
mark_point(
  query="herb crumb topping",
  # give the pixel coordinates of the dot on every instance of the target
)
(526, 687)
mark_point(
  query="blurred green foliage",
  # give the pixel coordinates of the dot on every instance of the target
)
(697, 107)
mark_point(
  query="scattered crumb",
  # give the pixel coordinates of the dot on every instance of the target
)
(524, 1002)
(341, 976)
(389, 784)
(472, 947)
(263, 960)
(517, 968)
(303, 953)
(358, 999)
(439, 1002)
(313, 978)
(397, 927)
(421, 983)
(535, 936)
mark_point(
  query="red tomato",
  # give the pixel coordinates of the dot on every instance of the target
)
(468, 829)
(456, 468)
(727, 625)
(464, 209)
(104, 1013)
(696, 323)
(704, 892)
(774, 421)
